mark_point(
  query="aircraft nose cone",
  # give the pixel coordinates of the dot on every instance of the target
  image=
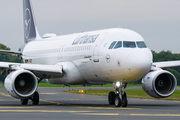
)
(139, 63)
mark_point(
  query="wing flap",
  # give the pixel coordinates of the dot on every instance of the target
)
(41, 70)
(38, 69)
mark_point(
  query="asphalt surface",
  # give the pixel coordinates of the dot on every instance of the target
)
(56, 104)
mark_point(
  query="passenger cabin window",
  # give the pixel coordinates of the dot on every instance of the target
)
(141, 44)
(128, 44)
(112, 45)
(118, 45)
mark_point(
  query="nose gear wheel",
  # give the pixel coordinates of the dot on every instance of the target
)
(111, 98)
(120, 98)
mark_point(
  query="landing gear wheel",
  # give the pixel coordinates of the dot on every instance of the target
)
(24, 101)
(111, 98)
(35, 98)
(124, 100)
(117, 101)
(121, 98)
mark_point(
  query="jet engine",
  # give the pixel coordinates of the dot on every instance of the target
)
(159, 84)
(21, 84)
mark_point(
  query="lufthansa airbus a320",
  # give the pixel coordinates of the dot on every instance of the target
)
(116, 56)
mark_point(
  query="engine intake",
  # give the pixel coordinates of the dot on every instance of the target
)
(21, 84)
(159, 84)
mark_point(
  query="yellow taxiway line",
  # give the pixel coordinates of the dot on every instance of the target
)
(3, 94)
(44, 111)
(94, 113)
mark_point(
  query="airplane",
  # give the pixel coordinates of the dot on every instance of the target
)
(115, 55)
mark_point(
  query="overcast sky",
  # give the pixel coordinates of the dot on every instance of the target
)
(158, 21)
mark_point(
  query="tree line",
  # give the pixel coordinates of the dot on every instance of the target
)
(157, 57)
(7, 58)
(168, 56)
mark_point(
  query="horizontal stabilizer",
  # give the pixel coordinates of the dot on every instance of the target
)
(11, 52)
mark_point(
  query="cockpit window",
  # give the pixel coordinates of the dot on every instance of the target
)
(128, 44)
(118, 45)
(112, 45)
(141, 44)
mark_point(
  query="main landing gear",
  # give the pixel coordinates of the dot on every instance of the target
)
(34, 98)
(119, 99)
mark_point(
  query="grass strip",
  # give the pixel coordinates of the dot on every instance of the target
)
(1, 85)
(107, 85)
(133, 93)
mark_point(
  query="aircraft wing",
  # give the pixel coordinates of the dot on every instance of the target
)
(38, 69)
(166, 64)
(11, 52)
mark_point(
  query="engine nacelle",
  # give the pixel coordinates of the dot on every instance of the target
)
(159, 84)
(21, 84)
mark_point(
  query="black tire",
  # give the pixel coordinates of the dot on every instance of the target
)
(35, 98)
(24, 101)
(124, 95)
(111, 98)
(117, 102)
(124, 100)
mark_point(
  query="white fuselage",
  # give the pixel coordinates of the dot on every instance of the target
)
(87, 59)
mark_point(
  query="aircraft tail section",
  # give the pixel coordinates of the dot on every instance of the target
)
(30, 28)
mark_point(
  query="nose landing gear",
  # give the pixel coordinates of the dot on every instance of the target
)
(119, 99)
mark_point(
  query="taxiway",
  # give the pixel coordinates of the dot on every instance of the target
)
(56, 104)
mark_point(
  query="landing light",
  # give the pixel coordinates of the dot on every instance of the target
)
(118, 84)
